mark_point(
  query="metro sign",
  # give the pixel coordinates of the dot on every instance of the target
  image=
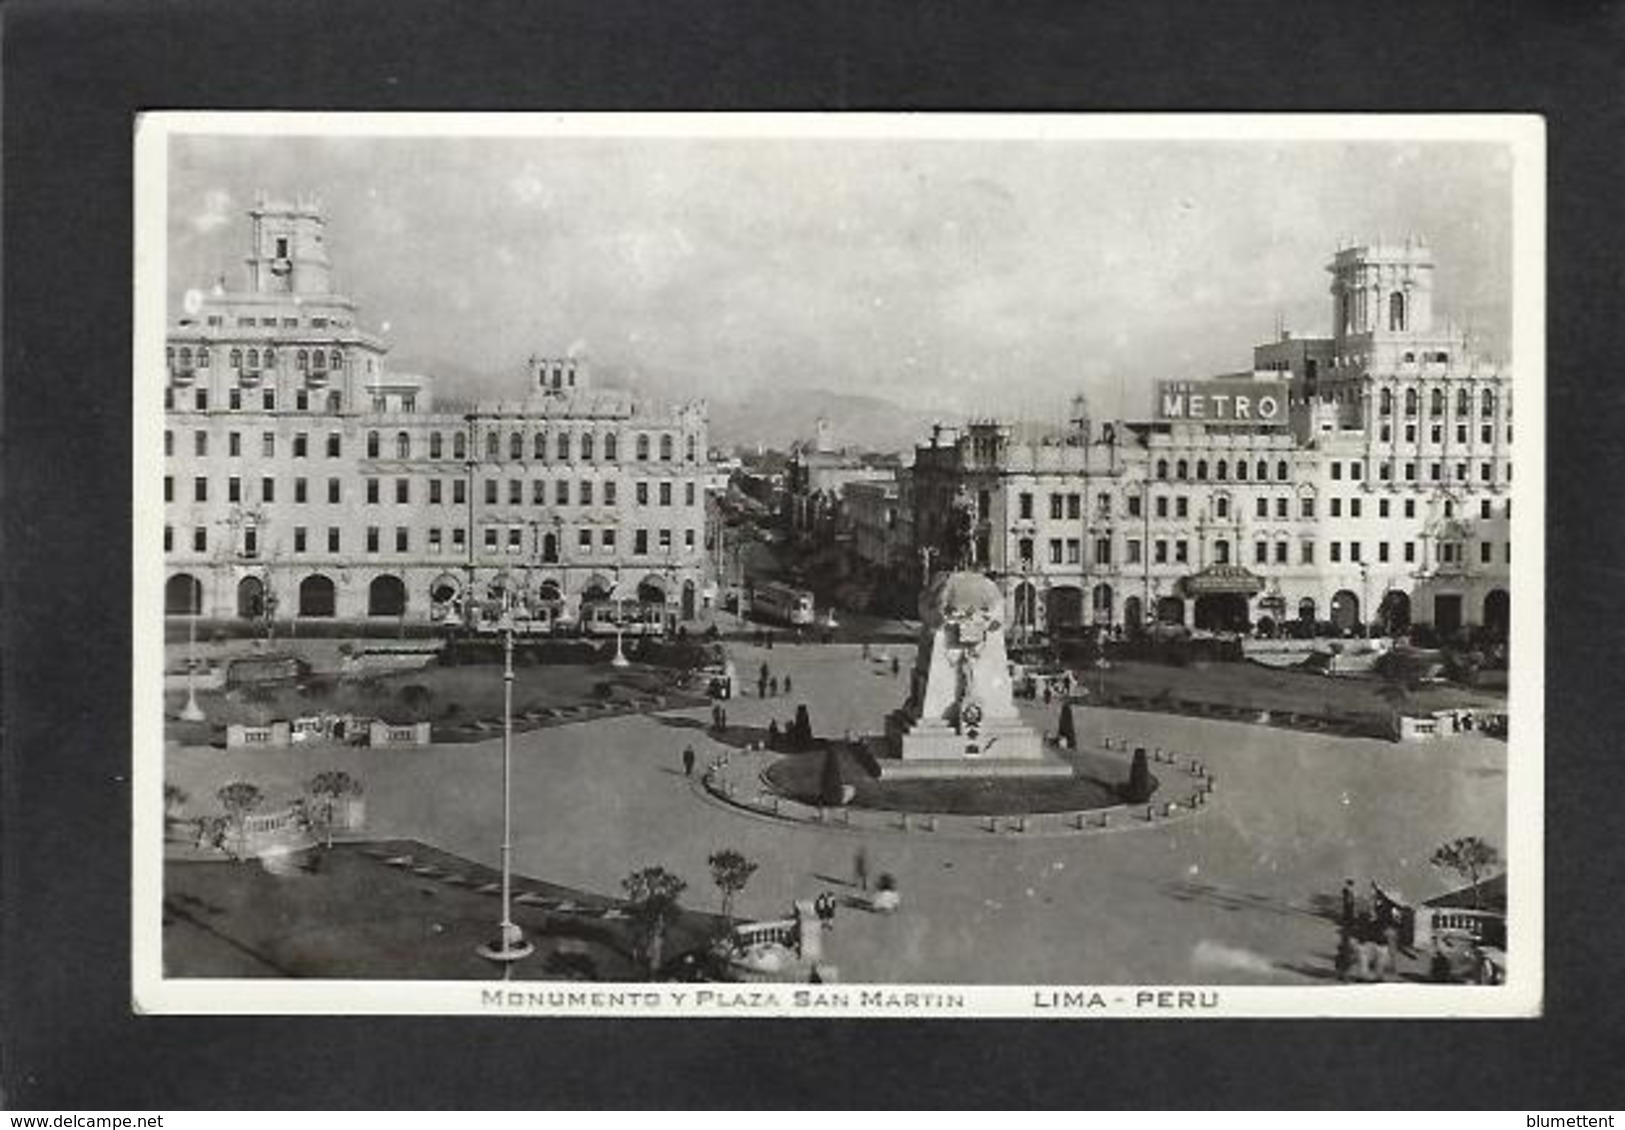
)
(1223, 401)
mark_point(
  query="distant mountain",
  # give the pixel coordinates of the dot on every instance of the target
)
(776, 419)
(788, 414)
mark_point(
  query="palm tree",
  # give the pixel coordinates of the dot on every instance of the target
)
(239, 799)
(327, 789)
(730, 871)
(652, 893)
(1470, 857)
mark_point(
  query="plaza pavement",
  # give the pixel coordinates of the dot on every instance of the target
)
(1226, 896)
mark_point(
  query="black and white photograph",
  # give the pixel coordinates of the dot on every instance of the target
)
(859, 565)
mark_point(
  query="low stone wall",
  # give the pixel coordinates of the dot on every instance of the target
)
(738, 780)
(384, 735)
(277, 735)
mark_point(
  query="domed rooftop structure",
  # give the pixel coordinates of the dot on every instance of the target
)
(954, 596)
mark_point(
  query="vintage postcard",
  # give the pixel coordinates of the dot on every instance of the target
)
(839, 565)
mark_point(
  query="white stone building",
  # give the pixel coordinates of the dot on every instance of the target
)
(303, 478)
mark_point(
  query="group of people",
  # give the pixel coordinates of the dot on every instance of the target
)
(767, 683)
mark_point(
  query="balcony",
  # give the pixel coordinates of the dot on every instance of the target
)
(179, 375)
(316, 378)
(249, 378)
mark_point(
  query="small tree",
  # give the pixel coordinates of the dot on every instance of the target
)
(326, 789)
(802, 735)
(832, 787)
(652, 893)
(730, 871)
(1138, 789)
(239, 799)
(175, 798)
(1067, 729)
(1470, 857)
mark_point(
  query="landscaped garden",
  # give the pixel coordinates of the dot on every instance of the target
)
(1251, 687)
(463, 703)
(401, 910)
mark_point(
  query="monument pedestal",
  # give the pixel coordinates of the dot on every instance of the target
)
(960, 720)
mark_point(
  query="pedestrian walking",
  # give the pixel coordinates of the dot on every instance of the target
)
(787, 686)
(865, 649)
(770, 639)
(761, 682)
(722, 718)
(895, 666)
(773, 687)
(688, 761)
(860, 868)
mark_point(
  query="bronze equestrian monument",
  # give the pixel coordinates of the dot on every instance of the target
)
(960, 719)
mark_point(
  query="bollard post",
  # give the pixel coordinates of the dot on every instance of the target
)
(1077, 821)
(1105, 820)
(1150, 813)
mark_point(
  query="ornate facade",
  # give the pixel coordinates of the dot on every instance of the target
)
(304, 480)
(1382, 496)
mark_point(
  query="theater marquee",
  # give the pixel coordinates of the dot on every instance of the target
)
(1223, 402)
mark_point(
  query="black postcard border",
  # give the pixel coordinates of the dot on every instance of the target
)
(75, 74)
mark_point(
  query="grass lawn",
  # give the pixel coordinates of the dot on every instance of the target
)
(1257, 687)
(353, 916)
(800, 777)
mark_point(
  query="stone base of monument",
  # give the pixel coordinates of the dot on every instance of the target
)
(923, 748)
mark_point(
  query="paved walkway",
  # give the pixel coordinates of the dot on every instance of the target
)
(1226, 897)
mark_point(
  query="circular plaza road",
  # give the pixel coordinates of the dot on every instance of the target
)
(1225, 896)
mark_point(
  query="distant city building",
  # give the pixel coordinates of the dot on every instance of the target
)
(1358, 478)
(816, 478)
(301, 477)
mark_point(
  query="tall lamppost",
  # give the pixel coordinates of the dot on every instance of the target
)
(1365, 597)
(192, 712)
(511, 945)
(620, 659)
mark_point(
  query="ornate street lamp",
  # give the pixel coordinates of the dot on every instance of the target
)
(510, 945)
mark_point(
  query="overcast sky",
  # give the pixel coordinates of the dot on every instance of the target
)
(960, 276)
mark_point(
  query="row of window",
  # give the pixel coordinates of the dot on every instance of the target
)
(1068, 551)
(333, 401)
(1221, 470)
(1450, 552)
(546, 546)
(253, 359)
(586, 492)
(1486, 433)
(437, 447)
(561, 445)
(1437, 402)
(316, 322)
(268, 444)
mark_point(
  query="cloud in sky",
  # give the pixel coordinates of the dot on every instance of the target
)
(960, 275)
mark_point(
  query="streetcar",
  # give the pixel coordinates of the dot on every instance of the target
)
(630, 617)
(782, 604)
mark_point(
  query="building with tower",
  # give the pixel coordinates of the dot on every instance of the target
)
(304, 480)
(1361, 478)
